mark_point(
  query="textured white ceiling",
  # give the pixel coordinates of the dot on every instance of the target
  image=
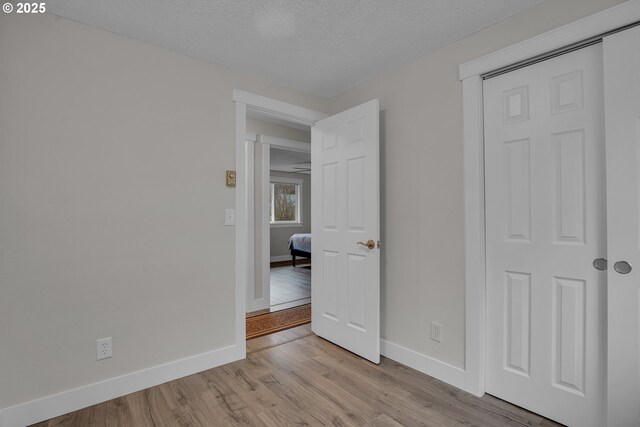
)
(318, 46)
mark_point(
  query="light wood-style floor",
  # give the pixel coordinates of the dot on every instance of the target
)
(297, 378)
(290, 284)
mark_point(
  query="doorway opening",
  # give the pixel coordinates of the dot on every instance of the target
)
(290, 221)
(281, 296)
(345, 221)
(251, 294)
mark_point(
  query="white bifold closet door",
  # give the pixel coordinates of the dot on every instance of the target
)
(545, 226)
(622, 110)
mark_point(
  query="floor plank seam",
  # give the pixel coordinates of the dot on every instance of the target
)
(258, 350)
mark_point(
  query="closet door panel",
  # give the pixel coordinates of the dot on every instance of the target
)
(622, 111)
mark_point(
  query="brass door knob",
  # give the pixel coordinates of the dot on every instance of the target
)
(369, 244)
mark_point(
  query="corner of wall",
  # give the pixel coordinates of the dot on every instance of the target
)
(427, 365)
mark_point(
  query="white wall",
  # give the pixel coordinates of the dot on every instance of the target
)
(280, 235)
(421, 160)
(112, 162)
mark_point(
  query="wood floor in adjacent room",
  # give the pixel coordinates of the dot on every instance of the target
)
(296, 378)
(290, 284)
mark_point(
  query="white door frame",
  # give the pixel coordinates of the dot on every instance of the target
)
(473, 150)
(245, 240)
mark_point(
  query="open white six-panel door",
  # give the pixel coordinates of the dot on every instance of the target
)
(345, 187)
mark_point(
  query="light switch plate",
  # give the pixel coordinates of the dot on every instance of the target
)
(229, 217)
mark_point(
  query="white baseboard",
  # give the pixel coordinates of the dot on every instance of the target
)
(72, 400)
(425, 364)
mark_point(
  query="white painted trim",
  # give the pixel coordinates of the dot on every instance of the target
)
(278, 109)
(286, 144)
(425, 364)
(475, 262)
(253, 303)
(244, 242)
(473, 151)
(266, 228)
(242, 247)
(594, 25)
(253, 137)
(72, 400)
(285, 180)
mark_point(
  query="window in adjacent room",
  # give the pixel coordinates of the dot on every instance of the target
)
(286, 201)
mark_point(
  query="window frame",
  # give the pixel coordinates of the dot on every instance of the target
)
(298, 182)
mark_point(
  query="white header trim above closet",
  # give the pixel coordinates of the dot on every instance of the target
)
(599, 23)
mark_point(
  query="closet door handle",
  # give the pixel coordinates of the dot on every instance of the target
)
(600, 264)
(622, 267)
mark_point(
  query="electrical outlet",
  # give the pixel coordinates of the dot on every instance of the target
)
(103, 348)
(436, 331)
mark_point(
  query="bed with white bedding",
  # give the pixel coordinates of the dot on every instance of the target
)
(300, 245)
